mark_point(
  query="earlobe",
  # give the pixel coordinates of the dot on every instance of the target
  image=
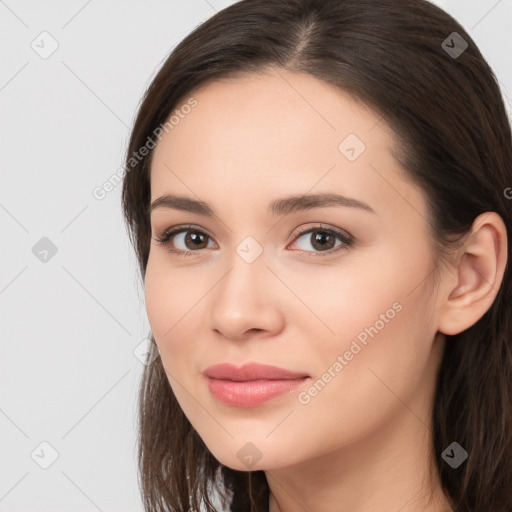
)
(479, 268)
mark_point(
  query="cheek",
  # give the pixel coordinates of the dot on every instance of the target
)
(156, 298)
(163, 296)
(173, 298)
(377, 362)
(374, 314)
(345, 299)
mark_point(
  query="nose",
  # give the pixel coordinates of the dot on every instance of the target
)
(247, 301)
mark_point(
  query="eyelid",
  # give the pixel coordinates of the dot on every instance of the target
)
(322, 227)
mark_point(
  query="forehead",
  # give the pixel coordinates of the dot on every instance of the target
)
(269, 115)
(265, 135)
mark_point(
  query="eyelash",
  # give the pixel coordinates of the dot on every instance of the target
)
(165, 238)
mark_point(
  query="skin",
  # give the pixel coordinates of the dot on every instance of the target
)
(362, 443)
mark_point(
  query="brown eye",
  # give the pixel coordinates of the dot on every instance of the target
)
(318, 240)
(195, 240)
(184, 240)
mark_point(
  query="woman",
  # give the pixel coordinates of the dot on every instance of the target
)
(319, 198)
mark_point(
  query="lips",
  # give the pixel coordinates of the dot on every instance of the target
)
(251, 372)
(251, 385)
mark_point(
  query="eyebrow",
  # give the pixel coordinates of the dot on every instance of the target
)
(281, 206)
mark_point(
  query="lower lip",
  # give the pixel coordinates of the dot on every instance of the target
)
(251, 393)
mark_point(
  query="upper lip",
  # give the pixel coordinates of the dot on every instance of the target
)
(250, 371)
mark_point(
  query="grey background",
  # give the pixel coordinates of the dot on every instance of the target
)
(71, 323)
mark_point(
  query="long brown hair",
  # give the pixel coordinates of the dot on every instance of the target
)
(444, 104)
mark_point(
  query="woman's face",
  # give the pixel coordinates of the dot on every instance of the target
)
(354, 313)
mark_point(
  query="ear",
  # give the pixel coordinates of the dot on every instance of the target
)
(476, 275)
